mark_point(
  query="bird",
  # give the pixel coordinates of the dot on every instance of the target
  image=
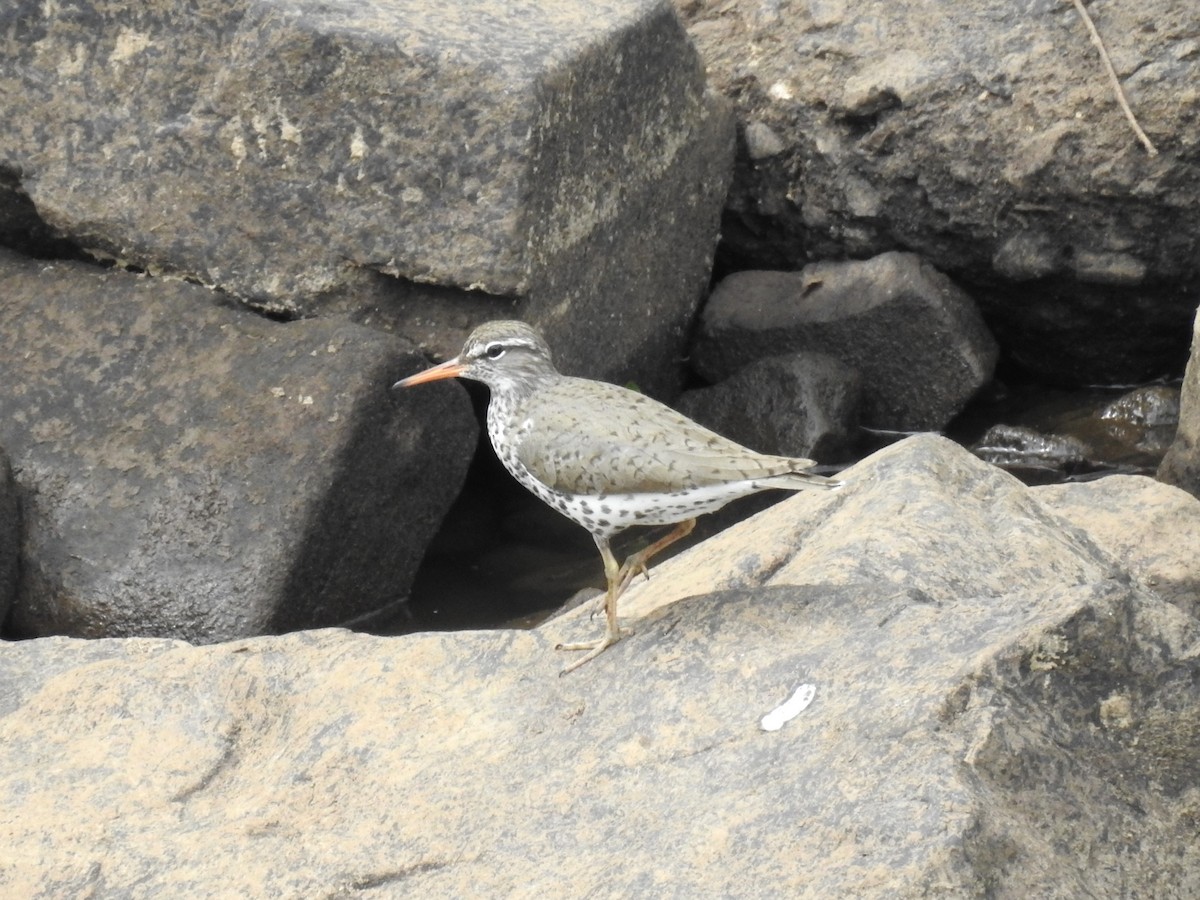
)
(605, 456)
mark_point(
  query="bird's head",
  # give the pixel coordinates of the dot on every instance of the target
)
(504, 355)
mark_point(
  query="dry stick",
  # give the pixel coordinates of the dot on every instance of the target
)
(1112, 76)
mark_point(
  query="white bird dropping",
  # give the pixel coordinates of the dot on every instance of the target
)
(784, 713)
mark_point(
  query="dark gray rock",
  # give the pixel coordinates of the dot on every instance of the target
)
(1001, 709)
(917, 340)
(1051, 434)
(1153, 406)
(10, 537)
(799, 405)
(1072, 335)
(1145, 419)
(304, 155)
(191, 469)
(989, 143)
(1181, 465)
(1029, 452)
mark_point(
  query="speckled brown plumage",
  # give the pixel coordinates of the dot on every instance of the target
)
(637, 446)
(605, 456)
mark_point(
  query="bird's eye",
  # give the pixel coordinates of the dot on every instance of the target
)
(493, 351)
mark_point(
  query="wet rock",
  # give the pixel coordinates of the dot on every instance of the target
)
(994, 148)
(1053, 433)
(998, 709)
(1118, 436)
(1146, 418)
(917, 340)
(799, 405)
(1153, 406)
(385, 161)
(1031, 453)
(190, 469)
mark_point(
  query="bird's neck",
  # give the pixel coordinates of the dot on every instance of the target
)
(512, 392)
(509, 396)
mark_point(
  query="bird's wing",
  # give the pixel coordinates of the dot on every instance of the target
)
(590, 437)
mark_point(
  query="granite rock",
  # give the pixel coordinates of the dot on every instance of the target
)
(1153, 529)
(190, 469)
(398, 162)
(998, 709)
(803, 405)
(916, 339)
(988, 142)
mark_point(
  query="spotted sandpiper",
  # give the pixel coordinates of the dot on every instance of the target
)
(604, 456)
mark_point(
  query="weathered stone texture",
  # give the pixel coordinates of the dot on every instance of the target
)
(10, 537)
(805, 405)
(304, 154)
(985, 137)
(1153, 529)
(915, 337)
(191, 469)
(1181, 465)
(999, 711)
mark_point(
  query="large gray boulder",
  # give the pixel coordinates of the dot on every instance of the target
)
(801, 404)
(914, 336)
(984, 136)
(398, 161)
(1000, 710)
(191, 469)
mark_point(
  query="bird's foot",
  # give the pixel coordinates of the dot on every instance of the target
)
(634, 566)
(595, 606)
(594, 648)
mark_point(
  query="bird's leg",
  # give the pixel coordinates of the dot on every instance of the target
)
(636, 564)
(612, 633)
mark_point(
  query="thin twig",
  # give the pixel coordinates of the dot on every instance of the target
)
(1112, 77)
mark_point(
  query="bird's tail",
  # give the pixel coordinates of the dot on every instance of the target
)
(801, 481)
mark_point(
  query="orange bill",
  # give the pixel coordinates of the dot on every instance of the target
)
(451, 368)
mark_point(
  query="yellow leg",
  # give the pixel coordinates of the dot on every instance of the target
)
(636, 564)
(618, 578)
(612, 633)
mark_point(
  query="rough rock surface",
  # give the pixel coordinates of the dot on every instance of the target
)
(985, 137)
(905, 514)
(799, 405)
(999, 711)
(21, 227)
(300, 153)
(190, 469)
(917, 340)
(10, 537)
(1181, 465)
(1151, 528)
